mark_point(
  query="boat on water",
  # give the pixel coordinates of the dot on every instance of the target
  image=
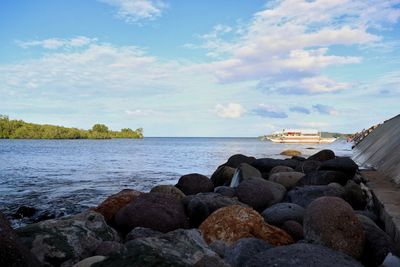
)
(294, 136)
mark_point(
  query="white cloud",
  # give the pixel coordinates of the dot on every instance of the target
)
(232, 110)
(143, 113)
(135, 10)
(56, 43)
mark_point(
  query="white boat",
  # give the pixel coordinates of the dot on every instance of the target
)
(294, 136)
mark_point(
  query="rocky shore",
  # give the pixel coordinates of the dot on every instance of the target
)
(251, 212)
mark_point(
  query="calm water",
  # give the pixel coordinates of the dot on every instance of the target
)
(67, 176)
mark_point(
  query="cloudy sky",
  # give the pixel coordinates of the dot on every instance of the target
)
(201, 68)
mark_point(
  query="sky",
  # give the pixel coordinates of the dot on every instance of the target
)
(201, 68)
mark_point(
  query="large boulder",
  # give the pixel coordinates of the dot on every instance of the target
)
(277, 169)
(304, 195)
(244, 249)
(342, 164)
(222, 176)
(266, 164)
(225, 191)
(287, 179)
(255, 193)
(168, 189)
(331, 221)
(13, 253)
(158, 211)
(191, 184)
(277, 190)
(323, 155)
(323, 178)
(232, 223)
(244, 172)
(301, 254)
(179, 248)
(235, 160)
(109, 207)
(66, 241)
(281, 212)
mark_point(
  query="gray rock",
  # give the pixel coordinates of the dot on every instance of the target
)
(303, 196)
(323, 178)
(294, 229)
(355, 196)
(391, 261)
(278, 169)
(89, 262)
(193, 183)
(108, 248)
(226, 191)
(244, 249)
(244, 172)
(222, 176)
(301, 254)
(68, 240)
(281, 212)
(266, 164)
(343, 164)
(323, 155)
(336, 185)
(235, 160)
(168, 189)
(308, 166)
(140, 232)
(208, 261)
(219, 247)
(256, 193)
(287, 179)
(371, 215)
(277, 190)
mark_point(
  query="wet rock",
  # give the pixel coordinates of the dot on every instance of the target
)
(226, 191)
(235, 160)
(301, 254)
(12, 251)
(303, 196)
(281, 212)
(323, 178)
(158, 211)
(223, 176)
(109, 248)
(200, 206)
(290, 152)
(278, 169)
(177, 248)
(168, 189)
(244, 172)
(331, 221)
(255, 193)
(355, 196)
(232, 223)
(308, 166)
(323, 155)
(266, 164)
(109, 207)
(287, 179)
(277, 190)
(67, 240)
(88, 262)
(219, 247)
(194, 183)
(23, 212)
(342, 164)
(294, 229)
(141, 232)
(244, 249)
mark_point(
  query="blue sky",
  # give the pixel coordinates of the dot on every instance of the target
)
(201, 68)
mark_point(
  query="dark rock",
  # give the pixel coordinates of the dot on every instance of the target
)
(223, 176)
(278, 169)
(301, 254)
(308, 166)
(158, 211)
(355, 196)
(194, 183)
(266, 164)
(226, 191)
(12, 252)
(109, 248)
(287, 179)
(141, 232)
(219, 247)
(91, 261)
(331, 221)
(277, 190)
(281, 212)
(323, 155)
(294, 229)
(298, 158)
(343, 164)
(368, 214)
(168, 189)
(255, 193)
(235, 160)
(23, 212)
(244, 172)
(244, 249)
(323, 178)
(304, 195)
(211, 261)
(391, 261)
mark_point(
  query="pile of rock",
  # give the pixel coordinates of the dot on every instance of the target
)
(251, 212)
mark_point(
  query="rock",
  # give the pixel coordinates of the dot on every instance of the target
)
(109, 248)
(331, 221)
(301, 254)
(232, 223)
(278, 169)
(158, 211)
(23, 212)
(244, 172)
(177, 248)
(287, 179)
(294, 229)
(244, 249)
(308, 166)
(355, 196)
(88, 262)
(255, 193)
(377, 243)
(200, 206)
(235, 160)
(342, 164)
(277, 190)
(67, 240)
(223, 176)
(226, 191)
(141, 232)
(281, 212)
(298, 158)
(371, 215)
(208, 261)
(303, 196)
(391, 261)
(266, 164)
(13, 253)
(168, 189)
(219, 247)
(194, 183)
(109, 207)
(290, 152)
(323, 155)
(336, 185)
(323, 178)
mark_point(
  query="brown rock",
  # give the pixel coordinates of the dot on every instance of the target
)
(290, 152)
(109, 207)
(232, 223)
(168, 189)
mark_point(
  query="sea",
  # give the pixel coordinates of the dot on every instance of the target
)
(62, 177)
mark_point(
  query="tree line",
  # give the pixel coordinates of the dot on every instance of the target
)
(18, 129)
